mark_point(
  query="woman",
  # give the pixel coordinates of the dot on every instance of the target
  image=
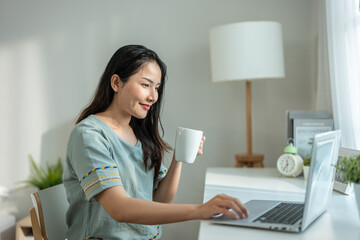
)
(116, 184)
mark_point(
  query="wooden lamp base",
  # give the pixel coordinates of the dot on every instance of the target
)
(249, 160)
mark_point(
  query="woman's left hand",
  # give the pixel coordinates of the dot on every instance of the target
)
(201, 148)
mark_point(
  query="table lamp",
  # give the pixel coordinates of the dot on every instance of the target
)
(247, 51)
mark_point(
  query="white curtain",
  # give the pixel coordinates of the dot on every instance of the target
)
(339, 66)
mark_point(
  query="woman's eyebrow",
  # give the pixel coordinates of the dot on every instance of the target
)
(151, 81)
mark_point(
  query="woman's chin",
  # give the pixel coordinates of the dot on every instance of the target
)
(140, 116)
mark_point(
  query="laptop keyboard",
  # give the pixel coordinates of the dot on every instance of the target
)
(283, 213)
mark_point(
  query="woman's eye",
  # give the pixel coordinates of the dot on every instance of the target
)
(145, 85)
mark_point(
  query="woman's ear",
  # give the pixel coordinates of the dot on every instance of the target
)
(116, 83)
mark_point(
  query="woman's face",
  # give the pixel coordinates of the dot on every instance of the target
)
(139, 93)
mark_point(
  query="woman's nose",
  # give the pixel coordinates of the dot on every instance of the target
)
(153, 95)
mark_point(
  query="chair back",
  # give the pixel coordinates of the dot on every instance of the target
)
(50, 207)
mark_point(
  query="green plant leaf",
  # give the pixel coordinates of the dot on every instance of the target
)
(350, 168)
(44, 177)
(307, 161)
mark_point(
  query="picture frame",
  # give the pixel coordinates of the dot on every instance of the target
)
(339, 182)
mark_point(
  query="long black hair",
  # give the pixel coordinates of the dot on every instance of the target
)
(125, 62)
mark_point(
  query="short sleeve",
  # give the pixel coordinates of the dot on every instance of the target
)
(162, 174)
(91, 157)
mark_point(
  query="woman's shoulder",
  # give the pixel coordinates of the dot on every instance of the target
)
(88, 126)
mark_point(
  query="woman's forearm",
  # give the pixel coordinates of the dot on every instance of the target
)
(125, 209)
(168, 186)
(149, 213)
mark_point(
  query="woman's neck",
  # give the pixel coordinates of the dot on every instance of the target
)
(119, 125)
(115, 119)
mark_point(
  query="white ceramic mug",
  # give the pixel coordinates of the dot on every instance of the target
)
(187, 144)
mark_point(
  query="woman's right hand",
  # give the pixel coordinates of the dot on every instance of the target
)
(221, 204)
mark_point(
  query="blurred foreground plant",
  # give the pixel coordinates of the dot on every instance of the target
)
(44, 177)
(350, 168)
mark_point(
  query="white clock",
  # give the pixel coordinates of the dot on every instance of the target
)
(290, 164)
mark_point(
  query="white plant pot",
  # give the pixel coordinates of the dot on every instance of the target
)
(306, 172)
(357, 196)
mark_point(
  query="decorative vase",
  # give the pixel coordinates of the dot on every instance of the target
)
(306, 172)
(357, 196)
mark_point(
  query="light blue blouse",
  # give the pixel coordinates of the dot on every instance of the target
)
(98, 158)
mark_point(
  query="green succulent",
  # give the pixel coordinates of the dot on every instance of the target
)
(307, 161)
(350, 168)
(44, 177)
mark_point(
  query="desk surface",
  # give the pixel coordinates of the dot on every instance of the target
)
(340, 221)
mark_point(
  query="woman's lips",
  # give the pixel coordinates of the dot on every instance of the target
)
(145, 106)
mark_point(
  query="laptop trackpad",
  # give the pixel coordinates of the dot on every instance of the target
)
(255, 208)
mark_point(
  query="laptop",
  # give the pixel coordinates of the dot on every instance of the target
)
(297, 216)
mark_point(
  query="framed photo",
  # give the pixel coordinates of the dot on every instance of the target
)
(339, 183)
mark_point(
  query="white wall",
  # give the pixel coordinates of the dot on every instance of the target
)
(52, 55)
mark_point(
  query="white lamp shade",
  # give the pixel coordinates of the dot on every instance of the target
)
(246, 50)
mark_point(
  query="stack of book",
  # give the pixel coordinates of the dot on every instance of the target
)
(303, 125)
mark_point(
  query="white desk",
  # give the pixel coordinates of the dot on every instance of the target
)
(340, 221)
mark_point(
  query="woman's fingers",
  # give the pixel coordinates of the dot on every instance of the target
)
(232, 214)
(227, 203)
(223, 204)
(232, 209)
(201, 148)
(242, 207)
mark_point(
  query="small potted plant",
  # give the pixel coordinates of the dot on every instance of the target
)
(307, 160)
(44, 177)
(350, 168)
(306, 167)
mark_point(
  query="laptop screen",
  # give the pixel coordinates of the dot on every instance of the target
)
(321, 177)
